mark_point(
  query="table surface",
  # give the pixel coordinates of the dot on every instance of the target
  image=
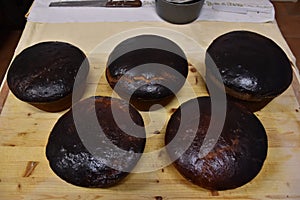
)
(24, 130)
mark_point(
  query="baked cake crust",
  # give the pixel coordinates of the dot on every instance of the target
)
(252, 66)
(236, 158)
(100, 164)
(147, 69)
(44, 75)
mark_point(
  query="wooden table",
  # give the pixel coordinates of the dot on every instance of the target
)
(24, 130)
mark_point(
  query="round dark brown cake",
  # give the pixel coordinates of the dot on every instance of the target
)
(237, 151)
(44, 75)
(252, 66)
(147, 69)
(91, 146)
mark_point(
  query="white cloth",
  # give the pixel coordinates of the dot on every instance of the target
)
(213, 10)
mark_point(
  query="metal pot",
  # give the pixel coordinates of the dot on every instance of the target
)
(179, 13)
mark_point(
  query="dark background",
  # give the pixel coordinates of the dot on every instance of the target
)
(12, 22)
(12, 13)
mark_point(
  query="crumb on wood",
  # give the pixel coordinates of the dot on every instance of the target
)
(22, 133)
(193, 70)
(158, 198)
(214, 193)
(173, 110)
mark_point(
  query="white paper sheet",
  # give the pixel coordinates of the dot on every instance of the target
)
(253, 11)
